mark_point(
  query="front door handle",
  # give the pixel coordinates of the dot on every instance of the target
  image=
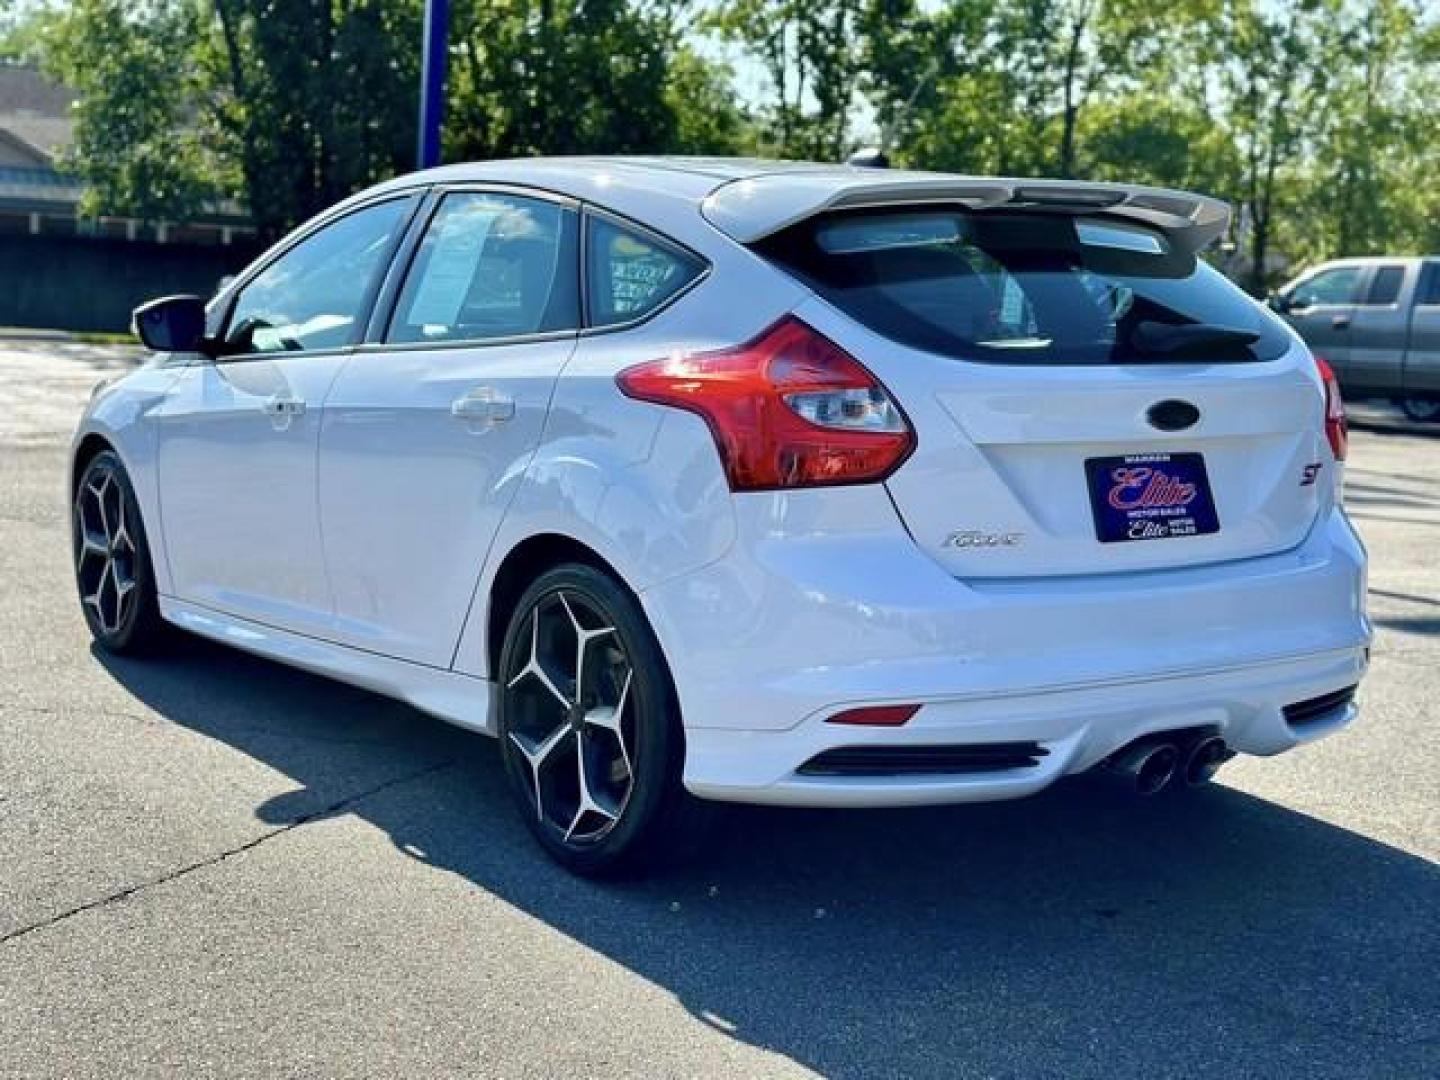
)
(483, 405)
(282, 410)
(1341, 322)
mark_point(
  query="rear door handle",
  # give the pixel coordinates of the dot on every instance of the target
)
(1341, 322)
(483, 405)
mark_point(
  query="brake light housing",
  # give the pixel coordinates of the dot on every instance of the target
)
(875, 715)
(1337, 428)
(788, 409)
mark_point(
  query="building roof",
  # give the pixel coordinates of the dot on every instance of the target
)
(36, 110)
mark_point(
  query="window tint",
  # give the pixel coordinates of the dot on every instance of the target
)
(311, 297)
(1385, 285)
(629, 274)
(1025, 288)
(1335, 286)
(1430, 284)
(490, 266)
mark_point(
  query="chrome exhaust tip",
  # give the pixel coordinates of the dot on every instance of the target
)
(1204, 759)
(1148, 766)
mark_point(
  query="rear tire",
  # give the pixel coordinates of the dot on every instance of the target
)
(1421, 410)
(113, 571)
(590, 727)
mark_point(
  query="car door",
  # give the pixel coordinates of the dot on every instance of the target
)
(239, 433)
(1379, 327)
(431, 425)
(1321, 307)
(1422, 359)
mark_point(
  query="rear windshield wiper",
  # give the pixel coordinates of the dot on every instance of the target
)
(1165, 338)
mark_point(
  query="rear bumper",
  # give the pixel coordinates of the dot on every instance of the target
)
(1077, 727)
(826, 604)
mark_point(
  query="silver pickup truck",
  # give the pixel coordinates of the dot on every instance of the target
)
(1377, 321)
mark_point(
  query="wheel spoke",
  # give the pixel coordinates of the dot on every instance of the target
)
(99, 492)
(533, 668)
(610, 718)
(90, 546)
(537, 755)
(583, 638)
(96, 599)
(121, 536)
(591, 801)
(122, 593)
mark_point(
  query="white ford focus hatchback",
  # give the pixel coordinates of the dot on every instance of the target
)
(758, 482)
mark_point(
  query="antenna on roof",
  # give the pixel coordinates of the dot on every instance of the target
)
(869, 157)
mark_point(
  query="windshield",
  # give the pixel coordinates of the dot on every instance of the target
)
(1026, 288)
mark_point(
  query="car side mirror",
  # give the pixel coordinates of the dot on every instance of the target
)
(172, 324)
(1280, 302)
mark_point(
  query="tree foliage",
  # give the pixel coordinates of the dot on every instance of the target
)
(810, 53)
(289, 105)
(1313, 117)
(135, 148)
(309, 99)
(514, 59)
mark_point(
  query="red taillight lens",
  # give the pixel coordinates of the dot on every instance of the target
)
(1337, 429)
(875, 715)
(789, 409)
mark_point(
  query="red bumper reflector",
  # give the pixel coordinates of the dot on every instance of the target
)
(875, 715)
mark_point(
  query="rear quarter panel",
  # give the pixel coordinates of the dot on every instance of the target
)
(639, 484)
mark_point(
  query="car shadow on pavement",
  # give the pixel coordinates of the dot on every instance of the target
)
(1083, 932)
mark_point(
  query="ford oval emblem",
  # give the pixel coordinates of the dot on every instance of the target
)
(1172, 415)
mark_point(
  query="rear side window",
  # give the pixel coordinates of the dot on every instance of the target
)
(1385, 285)
(1430, 285)
(1023, 288)
(629, 274)
(491, 266)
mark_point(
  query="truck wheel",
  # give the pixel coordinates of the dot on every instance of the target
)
(1421, 410)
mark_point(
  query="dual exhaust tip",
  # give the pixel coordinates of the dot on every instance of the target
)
(1152, 763)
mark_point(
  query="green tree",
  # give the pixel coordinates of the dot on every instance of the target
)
(1371, 126)
(1276, 77)
(1155, 137)
(811, 55)
(136, 147)
(22, 32)
(310, 99)
(558, 77)
(708, 119)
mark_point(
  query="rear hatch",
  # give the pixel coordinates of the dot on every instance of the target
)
(1087, 395)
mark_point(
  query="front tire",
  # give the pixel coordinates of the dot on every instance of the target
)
(589, 725)
(112, 560)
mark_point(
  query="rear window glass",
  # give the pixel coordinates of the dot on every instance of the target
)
(1026, 288)
(1385, 286)
(1430, 288)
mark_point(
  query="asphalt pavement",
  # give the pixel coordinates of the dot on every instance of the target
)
(213, 866)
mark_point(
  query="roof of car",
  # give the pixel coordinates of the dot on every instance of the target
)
(751, 198)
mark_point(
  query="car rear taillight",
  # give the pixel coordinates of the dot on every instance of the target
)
(1337, 430)
(789, 409)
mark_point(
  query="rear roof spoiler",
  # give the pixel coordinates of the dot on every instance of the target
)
(752, 209)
